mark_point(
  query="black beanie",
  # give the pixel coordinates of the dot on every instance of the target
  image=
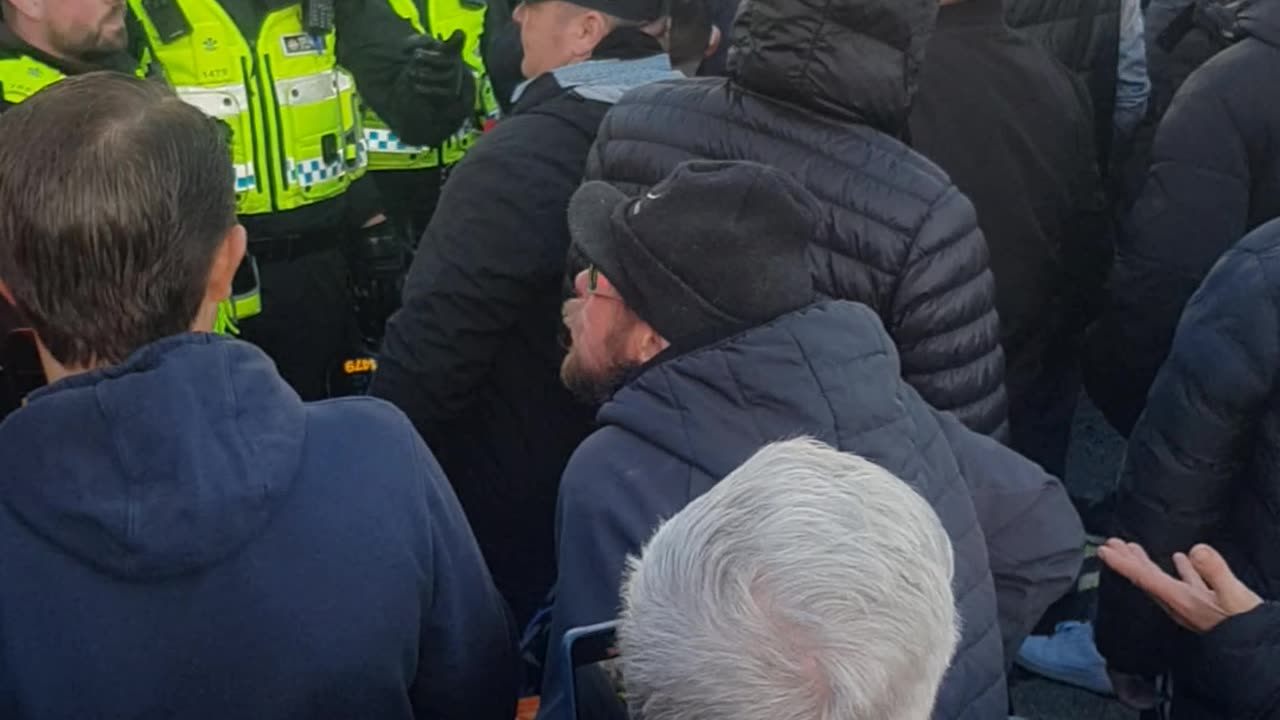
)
(715, 248)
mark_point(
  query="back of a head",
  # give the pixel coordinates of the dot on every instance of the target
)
(690, 34)
(851, 60)
(809, 584)
(114, 197)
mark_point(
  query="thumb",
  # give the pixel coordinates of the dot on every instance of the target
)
(1234, 595)
(453, 46)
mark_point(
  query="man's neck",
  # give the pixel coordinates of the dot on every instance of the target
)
(55, 371)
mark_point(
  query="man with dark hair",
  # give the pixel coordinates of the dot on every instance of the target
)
(473, 355)
(183, 536)
(704, 335)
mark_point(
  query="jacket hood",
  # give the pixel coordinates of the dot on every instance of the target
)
(795, 375)
(1261, 19)
(851, 59)
(166, 463)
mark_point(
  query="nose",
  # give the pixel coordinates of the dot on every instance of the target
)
(580, 283)
(518, 14)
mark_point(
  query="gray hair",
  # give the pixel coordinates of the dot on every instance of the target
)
(809, 584)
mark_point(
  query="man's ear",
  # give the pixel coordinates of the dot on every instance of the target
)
(7, 294)
(647, 343)
(590, 28)
(33, 9)
(713, 42)
(226, 260)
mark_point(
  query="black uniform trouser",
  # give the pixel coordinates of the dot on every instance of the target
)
(308, 323)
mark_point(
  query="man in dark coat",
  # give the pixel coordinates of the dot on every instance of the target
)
(700, 331)
(1204, 462)
(1085, 36)
(473, 356)
(1026, 162)
(896, 233)
(1214, 177)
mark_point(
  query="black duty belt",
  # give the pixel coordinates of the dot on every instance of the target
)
(284, 248)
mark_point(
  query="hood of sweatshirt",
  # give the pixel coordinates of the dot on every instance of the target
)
(166, 463)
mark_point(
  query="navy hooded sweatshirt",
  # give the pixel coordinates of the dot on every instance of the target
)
(181, 536)
(830, 372)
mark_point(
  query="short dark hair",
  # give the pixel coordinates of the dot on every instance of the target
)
(690, 31)
(114, 197)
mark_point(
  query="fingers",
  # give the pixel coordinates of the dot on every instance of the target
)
(1232, 595)
(1211, 565)
(1188, 572)
(418, 41)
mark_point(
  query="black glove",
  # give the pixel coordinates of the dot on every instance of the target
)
(434, 70)
(435, 93)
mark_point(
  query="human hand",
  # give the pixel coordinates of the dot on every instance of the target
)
(434, 68)
(1207, 593)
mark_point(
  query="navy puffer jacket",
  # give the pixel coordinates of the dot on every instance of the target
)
(1204, 465)
(829, 372)
(819, 88)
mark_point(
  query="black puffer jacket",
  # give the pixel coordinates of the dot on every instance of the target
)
(1214, 176)
(1085, 36)
(817, 88)
(1204, 462)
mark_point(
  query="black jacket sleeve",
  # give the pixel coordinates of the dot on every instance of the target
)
(1035, 542)
(944, 322)
(1189, 448)
(479, 266)
(1240, 660)
(370, 41)
(1194, 206)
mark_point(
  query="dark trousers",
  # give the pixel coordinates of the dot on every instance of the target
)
(307, 324)
(1042, 404)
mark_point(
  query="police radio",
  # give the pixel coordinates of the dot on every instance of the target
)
(317, 17)
(167, 17)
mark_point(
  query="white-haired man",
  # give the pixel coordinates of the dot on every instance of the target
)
(809, 583)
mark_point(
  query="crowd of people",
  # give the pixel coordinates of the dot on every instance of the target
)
(382, 358)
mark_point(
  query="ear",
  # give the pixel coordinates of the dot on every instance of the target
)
(647, 343)
(226, 260)
(7, 294)
(589, 29)
(713, 43)
(33, 9)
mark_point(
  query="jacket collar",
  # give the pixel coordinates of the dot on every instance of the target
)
(600, 80)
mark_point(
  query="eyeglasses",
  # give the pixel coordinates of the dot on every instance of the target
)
(593, 285)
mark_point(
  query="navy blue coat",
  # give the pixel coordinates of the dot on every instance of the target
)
(183, 537)
(830, 372)
(1204, 460)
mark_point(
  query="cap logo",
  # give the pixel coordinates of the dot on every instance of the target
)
(651, 195)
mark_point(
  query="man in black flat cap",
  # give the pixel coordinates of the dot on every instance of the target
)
(702, 335)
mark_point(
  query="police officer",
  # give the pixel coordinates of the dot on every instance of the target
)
(270, 71)
(409, 176)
